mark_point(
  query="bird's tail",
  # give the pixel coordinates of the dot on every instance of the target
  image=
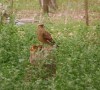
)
(53, 43)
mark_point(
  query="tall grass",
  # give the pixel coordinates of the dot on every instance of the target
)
(77, 58)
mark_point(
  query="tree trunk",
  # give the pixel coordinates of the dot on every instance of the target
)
(46, 4)
(11, 12)
(53, 4)
(86, 12)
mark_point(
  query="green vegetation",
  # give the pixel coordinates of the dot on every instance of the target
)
(77, 57)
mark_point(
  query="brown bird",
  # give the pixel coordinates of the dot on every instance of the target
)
(39, 52)
(35, 48)
(33, 55)
(44, 36)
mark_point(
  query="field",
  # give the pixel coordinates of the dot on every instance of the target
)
(77, 57)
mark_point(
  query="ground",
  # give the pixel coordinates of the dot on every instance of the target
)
(32, 16)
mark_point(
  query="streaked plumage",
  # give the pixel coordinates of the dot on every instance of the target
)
(44, 36)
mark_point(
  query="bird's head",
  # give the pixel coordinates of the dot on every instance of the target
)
(34, 48)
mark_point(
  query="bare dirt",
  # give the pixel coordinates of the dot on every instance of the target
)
(30, 16)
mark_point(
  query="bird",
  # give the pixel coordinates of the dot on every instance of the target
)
(33, 53)
(35, 48)
(44, 36)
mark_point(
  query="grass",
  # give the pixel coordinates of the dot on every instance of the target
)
(77, 58)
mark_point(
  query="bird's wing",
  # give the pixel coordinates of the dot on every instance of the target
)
(47, 36)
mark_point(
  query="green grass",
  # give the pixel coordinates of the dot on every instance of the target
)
(77, 58)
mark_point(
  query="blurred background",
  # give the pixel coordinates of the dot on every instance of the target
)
(58, 10)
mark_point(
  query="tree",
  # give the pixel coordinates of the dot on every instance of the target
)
(11, 11)
(46, 4)
(86, 12)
